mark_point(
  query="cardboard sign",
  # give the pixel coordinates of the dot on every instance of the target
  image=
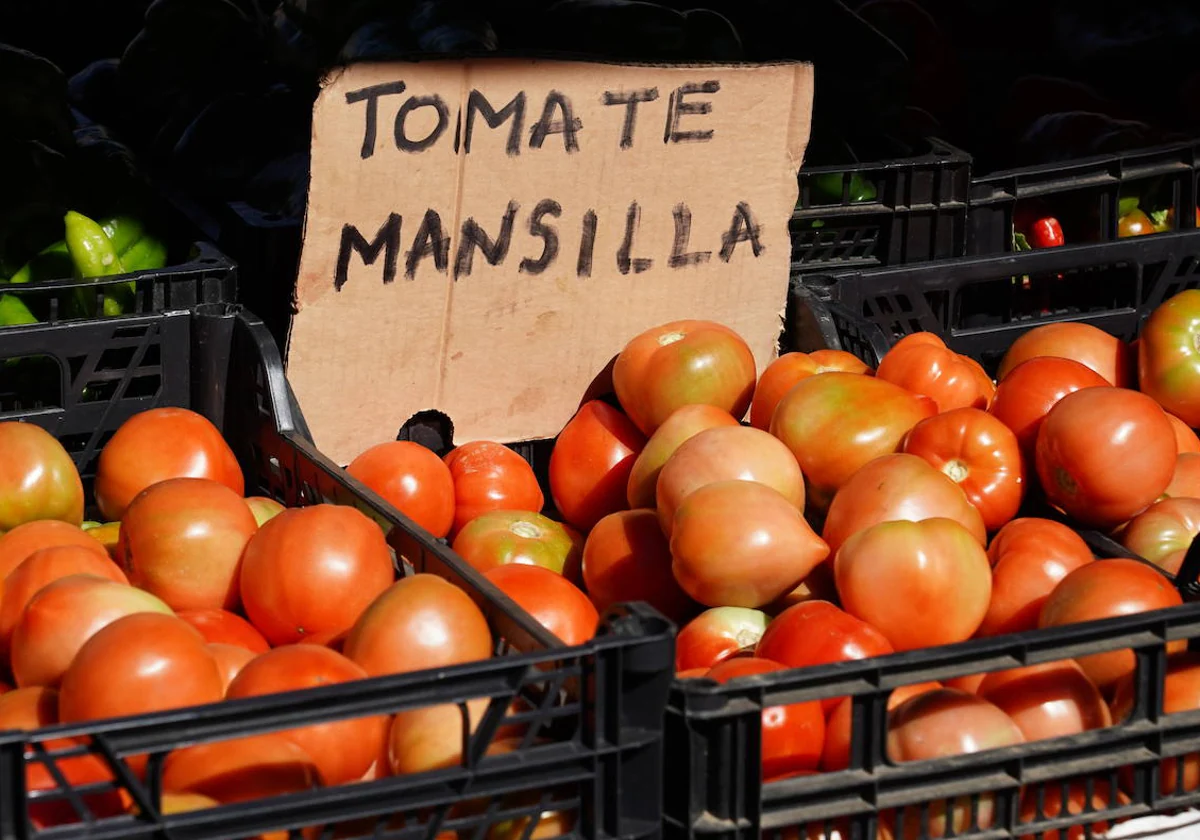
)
(482, 237)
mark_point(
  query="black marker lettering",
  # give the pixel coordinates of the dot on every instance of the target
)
(677, 108)
(387, 241)
(683, 232)
(742, 228)
(624, 262)
(477, 103)
(473, 235)
(549, 235)
(569, 126)
(587, 245)
(430, 240)
(411, 104)
(371, 96)
(630, 100)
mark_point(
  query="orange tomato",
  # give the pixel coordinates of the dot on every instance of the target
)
(1181, 693)
(502, 537)
(627, 558)
(839, 724)
(1164, 531)
(24, 540)
(591, 462)
(1185, 437)
(1048, 700)
(1027, 393)
(716, 635)
(683, 424)
(241, 770)
(38, 479)
(783, 374)
(226, 628)
(230, 659)
(923, 364)
(489, 476)
(556, 603)
(1088, 345)
(412, 479)
(1185, 482)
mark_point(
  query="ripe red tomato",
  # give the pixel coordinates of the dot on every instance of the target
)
(921, 584)
(518, 536)
(230, 659)
(312, 571)
(182, 540)
(741, 544)
(977, 452)
(556, 603)
(40, 569)
(627, 558)
(1105, 454)
(38, 479)
(342, 749)
(264, 508)
(420, 622)
(1091, 346)
(942, 723)
(1025, 396)
(1163, 532)
(923, 364)
(1185, 436)
(1045, 802)
(1185, 483)
(226, 628)
(34, 708)
(159, 444)
(489, 476)
(1107, 589)
(1181, 693)
(717, 634)
(683, 363)
(431, 737)
(898, 487)
(591, 463)
(241, 770)
(818, 633)
(1029, 557)
(412, 479)
(839, 725)
(63, 616)
(147, 662)
(1048, 700)
(783, 374)
(1169, 356)
(681, 426)
(727, 453)
(24, 540)
(793, 735)
(837, 422)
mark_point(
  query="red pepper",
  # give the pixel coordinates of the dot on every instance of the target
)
(1045, 233)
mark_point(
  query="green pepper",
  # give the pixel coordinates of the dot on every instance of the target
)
(91, 249)
(13, 311)
(51, 263)
(1127, 205)
(828, 188)
(146, 254)
(124, 232)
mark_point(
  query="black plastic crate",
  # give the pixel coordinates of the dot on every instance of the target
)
(598, 706)
(889, 212)
(980, 305)
(1084, 194)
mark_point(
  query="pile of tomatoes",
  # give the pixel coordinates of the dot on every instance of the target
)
(860, 512)
(189, 594)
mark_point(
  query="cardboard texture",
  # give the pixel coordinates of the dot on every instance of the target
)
(483, 236)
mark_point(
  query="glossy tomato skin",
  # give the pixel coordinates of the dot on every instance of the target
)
(792, 736)
(1185, 482)
(1047, 700)
(1185, 437)
(1181, 693)
(839, 725)
(717, 634)
(1025, 396)
(782, 375)
(683, 363)
(38, 479)
(1088, 345)
(225, 628)
(627, 558)
(898, 487)
(1105, 454)
(683, 424)
(241, 770)
(1107, 589)
(24, 540)
(1169, 356)
(420, 622)
(489, 476)
(230, 659)
(431, 737)
(343, 750)
(741, 544)
(1164, 531)
(506, 536)
(591, 462)
(980, 454)
(923, 364)
(412, 479)
(727, 453)
(182, 540)
(158, 444)
(312, 571)
(557, 604)
(264, 508)
(1029, 557)
(921, 584)
(837, 422)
